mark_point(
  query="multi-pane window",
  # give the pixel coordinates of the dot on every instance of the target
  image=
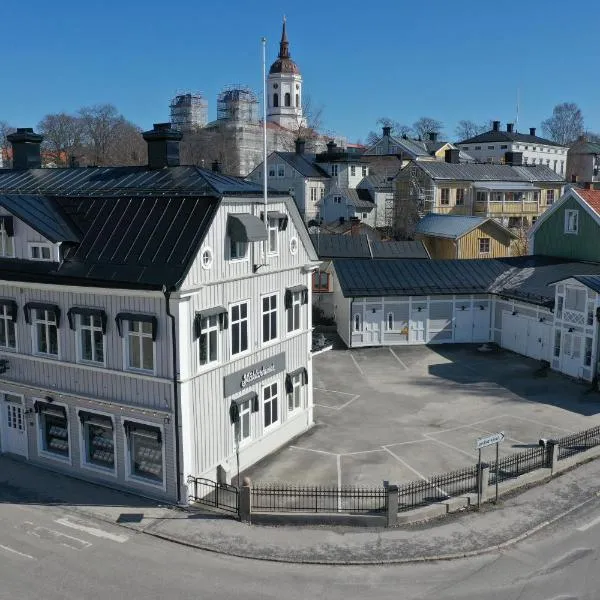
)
(7, 328)
(91, 339)
(40, 252)
(45, 332)
(239, 328)
(587, 357)
(7, 247)
(237, 250)
(295, 394)
(390, 321)
(98, 440)
(460, 196)
(481, 196)
(356, 322)
(144, 444)
(294, 312)
(557, 343)
(445, 196)
(365, 171)
(550, 196)
(243, 425)
(571, 221)
(320, 281)
(280, 170)
(270, 404)
(269, 318)
(337, 199)
(208, 342)
(140, 346)
(313, 194)
(334, 170)
(54, 430)
(273, 236)
(271, 170)
(484, 245)
(352, 170)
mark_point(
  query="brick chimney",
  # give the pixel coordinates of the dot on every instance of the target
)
(26, 148)
(532, 131)
(496, 126)
(510, 127)
(163, 146)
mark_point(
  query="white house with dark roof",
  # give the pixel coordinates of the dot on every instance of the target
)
(154, 322)
(492, 146)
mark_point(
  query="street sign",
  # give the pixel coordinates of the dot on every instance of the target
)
(495, 438)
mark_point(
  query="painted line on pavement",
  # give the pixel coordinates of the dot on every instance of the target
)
(93, 531)
(398, 358)
(467, 425)
(356, 364)
(333, 391)
(311, 450)
(540, 423)
(469, 454)
(341, 406)
(53, 535)
(589, 525)
(9, 549)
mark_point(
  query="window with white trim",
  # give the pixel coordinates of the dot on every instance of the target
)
(365, 171)
(484, 245)
(145, 452)
(40, 251)
(352, 170)
(208, 342)
(460, 196)
(273, 236)
(390, 321)
(239, 327)
(7, 246)
(557, 343)
(295, 395)
(587, 355)
(45, 331)
(207, 258)
(280, 170)
(53, 429)
(244, 424)
(445, 196)
(294, 312)
(313, 194)
(91, 339)
(238, 250)
(337, 199)
(8, 337)
(98, 440)
(271, 170)
(571, 221)
(549, 196)
(357, 322)
(481, 196)
(269, 318)
(271, 404)
(140, 346)
(334, 170)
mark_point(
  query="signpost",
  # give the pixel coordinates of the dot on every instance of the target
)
(494, 438)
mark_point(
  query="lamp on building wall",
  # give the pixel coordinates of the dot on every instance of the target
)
(514, 312)
(481, 307)
(541, 319)
(419, 308)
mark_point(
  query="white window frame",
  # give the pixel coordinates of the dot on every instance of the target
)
(83, 463)
(273, 424)
(206, 331)
(460, 196)
(245, 408)
(296, 395)
(129, 332)
(280, 170)
(273, 236)
(92, 329)
(35, 321)
(352, 170)
(7, 243)
(8, 322)
(389, 322)
(484, 241)
(365, 171)
(40, 440)
(550, 198)
(131, 477)
(206, 258)
(357, 322)
(233, 323)
(295, 307)
(313, 194)
(270, 311)
(337, 199)
(40, 246)
(238, 251)
(272, 170)
(444, 196)
(334, 170)
(571, 226)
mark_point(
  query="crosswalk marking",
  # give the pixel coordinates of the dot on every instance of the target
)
(9, 549)
(93, 531)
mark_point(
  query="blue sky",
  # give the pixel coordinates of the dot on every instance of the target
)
(450, 60)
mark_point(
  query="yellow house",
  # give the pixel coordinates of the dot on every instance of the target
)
(453, 236)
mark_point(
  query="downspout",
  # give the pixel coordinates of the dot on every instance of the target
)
(167, 294)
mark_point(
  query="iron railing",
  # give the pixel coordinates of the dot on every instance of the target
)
(211, 493)
(437, 488)
(315, 499)
(575, 443)
(520, 463)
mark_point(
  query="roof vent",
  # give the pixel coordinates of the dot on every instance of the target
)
(163, 146)
(26, 148)
(532, 131)
(331, 147)
(496, 126)
(509, 127)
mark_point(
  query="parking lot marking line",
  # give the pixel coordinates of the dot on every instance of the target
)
(361, 452)
(404, 443)
(397, 358)
(467, 425)
(313, 450)
(326, 406)
(469, 454)
(341, 406)
(356, 397)
(356, 363)
(414, 470)
(93, 531)
(9, 549)
(540, 423)
(589, 525)
(333, 391)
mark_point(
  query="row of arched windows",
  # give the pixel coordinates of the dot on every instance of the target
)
(287, 100)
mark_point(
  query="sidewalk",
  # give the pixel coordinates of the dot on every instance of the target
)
(457, 535)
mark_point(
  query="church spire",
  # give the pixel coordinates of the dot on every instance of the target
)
(284, 46)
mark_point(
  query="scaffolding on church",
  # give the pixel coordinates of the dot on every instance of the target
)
(237, 103)
(189, 111)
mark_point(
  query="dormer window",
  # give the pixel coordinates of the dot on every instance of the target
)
(40, 251)
(7, 247)
(334, 170)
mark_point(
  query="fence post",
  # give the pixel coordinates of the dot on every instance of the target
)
(483, 480)
(553, 449)
(245, 501)
(392, 505)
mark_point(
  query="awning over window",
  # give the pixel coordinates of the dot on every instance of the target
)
(11, 307)
(8, 224)
(289, 292)
(136, 317)
(86, 312)
(274, 215)
(220, 311)
(50, 409)
(244, 227)
(95, 419)
(51, 308)
(234, 407)
(289, 379)
(148, 431)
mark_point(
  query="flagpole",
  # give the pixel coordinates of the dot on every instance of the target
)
(264, 76)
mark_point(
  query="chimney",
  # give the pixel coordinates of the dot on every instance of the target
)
(452, 155)
(532, 131)
(574, 178)
(26, 148)
(386, 131)
(300, 146)
(588, 185)
(216, 166)
(496, 126)
(509, 127)
(354, 226)
(513, 158)
(163, 146)
(331, 146)
(433, 136)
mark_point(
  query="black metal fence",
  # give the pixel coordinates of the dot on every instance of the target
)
(437, 488)
(216, 495)
(290, 498)
(520, 463)
(575, 443)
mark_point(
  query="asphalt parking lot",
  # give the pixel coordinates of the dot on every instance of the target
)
(403, 413)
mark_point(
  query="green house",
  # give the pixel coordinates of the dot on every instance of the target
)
(571, 228)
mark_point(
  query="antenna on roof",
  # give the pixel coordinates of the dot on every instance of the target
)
(517, 117)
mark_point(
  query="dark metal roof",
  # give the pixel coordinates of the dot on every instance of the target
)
(507, 136)
(359, 246)
(303, 163)
(449, 226)
(42, 214)
(403, 249)
(488, 172)
(591, 281)
(123, 181)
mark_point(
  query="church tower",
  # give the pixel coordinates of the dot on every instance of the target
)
(284, 89)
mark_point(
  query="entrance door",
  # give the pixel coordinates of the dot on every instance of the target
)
(538, 340)
(15, 434)
(481, 322)
(372, 325)
(571, 354)
(418, 318)
(463, 324)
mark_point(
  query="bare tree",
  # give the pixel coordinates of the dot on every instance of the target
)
(466, 129)
(99, 122)
(216, 143)
(127, 146)
(5, 129)
(426, 125)
(590, 136)
(62, 137)
(396, 129)
(565, 125)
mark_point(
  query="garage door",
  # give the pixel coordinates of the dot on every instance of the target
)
(527, 336)
(514, 332)
(472, 323)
